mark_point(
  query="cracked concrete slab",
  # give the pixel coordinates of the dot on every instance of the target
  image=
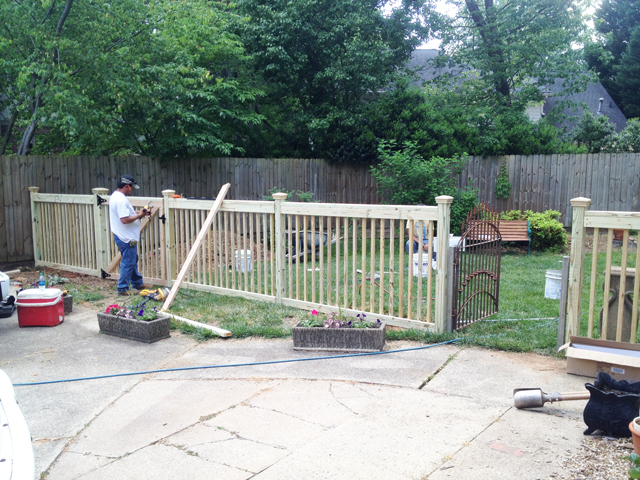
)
(491, 376)
(316, 402)
(242, 454)
(161, 461)
(515, 443)
(156, 409)
(407, 436)
(264, 425)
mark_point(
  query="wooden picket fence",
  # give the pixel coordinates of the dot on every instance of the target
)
(319, 256)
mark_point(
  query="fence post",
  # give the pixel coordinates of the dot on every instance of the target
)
(576, 265)
(35, 227)
(279, 241)
(169, 236)
(101, 229)
(442, 261)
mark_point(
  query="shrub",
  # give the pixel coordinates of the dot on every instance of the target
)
(405, 178)
(547, 233)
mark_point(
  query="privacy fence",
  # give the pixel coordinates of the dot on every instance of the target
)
(307, 255)
(539, 182)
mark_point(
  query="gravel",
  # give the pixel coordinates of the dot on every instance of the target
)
(598, 458)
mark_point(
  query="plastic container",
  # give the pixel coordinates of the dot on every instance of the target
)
(553, 284)
(417, 271)
(4, 285)
(40, 309)
(243, 257)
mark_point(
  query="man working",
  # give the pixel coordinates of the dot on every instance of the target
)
(125, 225)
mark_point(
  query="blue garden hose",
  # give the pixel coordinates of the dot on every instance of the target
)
(271, 362)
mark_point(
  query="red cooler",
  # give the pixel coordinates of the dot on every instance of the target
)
(38, 308)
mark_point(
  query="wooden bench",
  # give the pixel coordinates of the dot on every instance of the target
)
(511, 231)
(516, 231)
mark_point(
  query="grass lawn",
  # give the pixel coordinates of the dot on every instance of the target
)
(526, 321)
(521, 298)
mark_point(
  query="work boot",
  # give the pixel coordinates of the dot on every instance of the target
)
(129, 292)
(144, 286)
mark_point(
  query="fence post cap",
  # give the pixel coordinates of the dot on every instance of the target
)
(444, 199)
(99, 191)
(34, 189)
(580, 202)
(280, 196)
(168, 193)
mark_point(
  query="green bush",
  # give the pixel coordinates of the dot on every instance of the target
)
(405, 178)
(547, 233)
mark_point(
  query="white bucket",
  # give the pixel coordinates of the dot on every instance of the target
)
(241, 257)
(425, 265)
(553, 284)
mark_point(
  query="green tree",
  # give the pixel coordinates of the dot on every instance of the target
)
(595, 132)
(628, 140)
(46, 45)
(445, 123)
(321, 62)
(614, 21)
(512, 49)
(404, 177)
(159, 78)
(628, 75)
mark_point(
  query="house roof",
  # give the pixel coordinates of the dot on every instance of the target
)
(420, 61)
(591, 98)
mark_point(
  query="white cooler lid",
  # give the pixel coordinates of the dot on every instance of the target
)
(36, 294)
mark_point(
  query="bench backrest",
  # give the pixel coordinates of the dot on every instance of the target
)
(510, 230)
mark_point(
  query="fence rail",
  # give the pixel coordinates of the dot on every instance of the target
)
(308, 255)
(539, 182)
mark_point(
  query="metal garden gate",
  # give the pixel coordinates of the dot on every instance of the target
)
(476, 268)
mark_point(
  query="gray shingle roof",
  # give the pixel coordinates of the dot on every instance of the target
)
(591, 96)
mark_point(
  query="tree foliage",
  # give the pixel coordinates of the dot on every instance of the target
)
(404, 177)
(615, 21)
(155, 78)
(512, 49)
(321, 63)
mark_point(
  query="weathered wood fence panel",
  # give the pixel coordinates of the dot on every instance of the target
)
(539, 182)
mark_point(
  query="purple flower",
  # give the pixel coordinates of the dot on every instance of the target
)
(141, 312)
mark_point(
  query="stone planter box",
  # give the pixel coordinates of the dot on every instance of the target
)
(138, 330)
(339, 339)
(67, 300)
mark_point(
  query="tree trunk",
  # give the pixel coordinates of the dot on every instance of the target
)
(7, 135)
(27, 137)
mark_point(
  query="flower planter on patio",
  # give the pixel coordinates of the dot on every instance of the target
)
(339, 339)
(139, 330)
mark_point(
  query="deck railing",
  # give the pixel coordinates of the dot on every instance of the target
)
(326, 257)
(612, 278)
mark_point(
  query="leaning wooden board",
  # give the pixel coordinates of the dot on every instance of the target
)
(194, 249)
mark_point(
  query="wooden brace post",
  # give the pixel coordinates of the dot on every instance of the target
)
(194, 249)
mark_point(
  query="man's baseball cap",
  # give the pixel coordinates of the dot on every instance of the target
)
(128, 180)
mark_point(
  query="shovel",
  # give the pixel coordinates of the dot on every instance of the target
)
(535, 397)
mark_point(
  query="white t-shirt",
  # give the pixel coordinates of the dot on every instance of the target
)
(119, 207)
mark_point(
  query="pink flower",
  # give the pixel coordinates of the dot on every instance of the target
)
(314, 312)
(110, 307)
